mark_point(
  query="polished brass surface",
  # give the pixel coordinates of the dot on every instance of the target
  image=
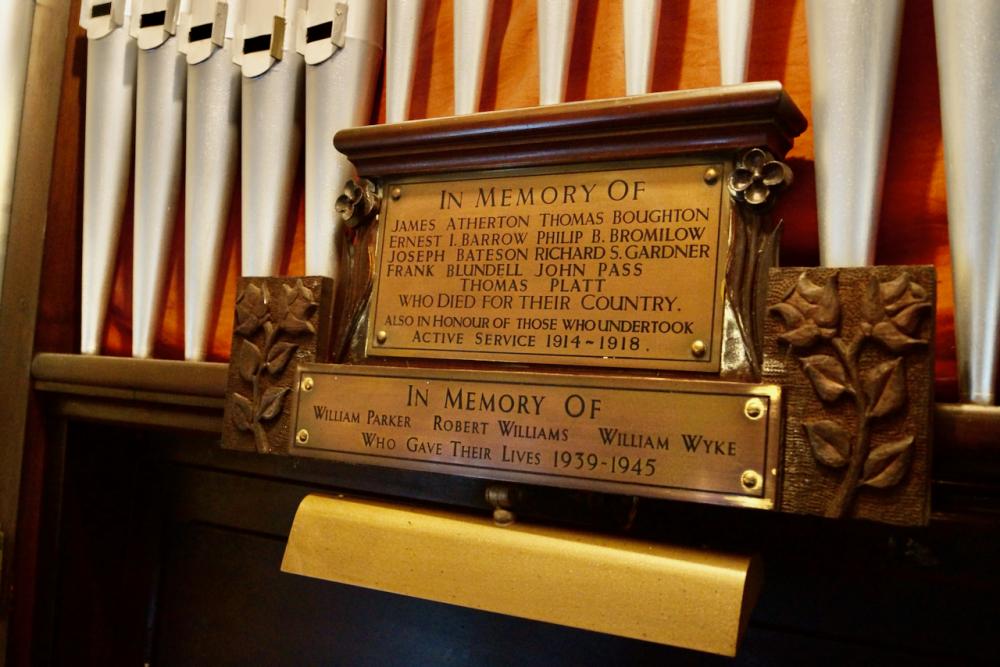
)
(620, 267)
(641, 436)
(667, 594)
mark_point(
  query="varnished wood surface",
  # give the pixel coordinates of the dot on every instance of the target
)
(623, 128)
(913, 219)
(198, 380)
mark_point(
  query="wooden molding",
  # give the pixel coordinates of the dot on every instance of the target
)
(627, 128)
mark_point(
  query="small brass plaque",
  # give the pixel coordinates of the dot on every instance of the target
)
(697, 440)
(620, 268)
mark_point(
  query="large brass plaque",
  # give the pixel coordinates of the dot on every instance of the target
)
(697, 440)
(619, 268)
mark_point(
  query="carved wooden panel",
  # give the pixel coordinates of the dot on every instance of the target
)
(280, 322)
(853, 351)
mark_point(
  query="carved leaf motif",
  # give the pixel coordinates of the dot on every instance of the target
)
(254, 299)
(271, 402)
(251, 309)
(887, 464)
(294, 325)
(295, 306)
(278, 357)
(249, 360)
(243, 414)
(827, 312)
(270, 333)
(809, 290)
(804, 336)
(831, 443)
(798, 302)
(908, 318)
(304, 293)
(885, 387)
(894, 339)
(907, 301)
(871, 303)
(892, 290)
(248, 326)
(827, 376)
(901, 293)
(810, 311)
(789, 313)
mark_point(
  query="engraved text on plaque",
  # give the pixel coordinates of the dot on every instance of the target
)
(621, 268)
(656, 437)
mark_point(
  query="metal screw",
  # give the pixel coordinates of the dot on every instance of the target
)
(754, 409)
(381, 337)
(711, 175)
(396, 192)
(502, 517)
(302, 437)
(307, 384)
(499, 496)
(750, 480)
(698, 348)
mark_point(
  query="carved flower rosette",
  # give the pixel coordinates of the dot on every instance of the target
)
(758, 178)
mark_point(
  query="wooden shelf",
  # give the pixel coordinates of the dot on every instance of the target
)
(145, 392)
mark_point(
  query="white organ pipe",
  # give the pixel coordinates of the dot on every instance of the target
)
(342, 52)
(853, 48)
(471, 32)
(642, 23)
(402, 30)
(968, 51)
(111, 56)
(211, 158)
(735, 19)
(271, 132)
(556, 22)
(159, 142)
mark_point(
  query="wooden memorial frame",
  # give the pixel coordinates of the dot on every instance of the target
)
(834, 367)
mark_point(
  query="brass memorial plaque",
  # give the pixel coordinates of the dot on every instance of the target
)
(707, 441)
(622, 267)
